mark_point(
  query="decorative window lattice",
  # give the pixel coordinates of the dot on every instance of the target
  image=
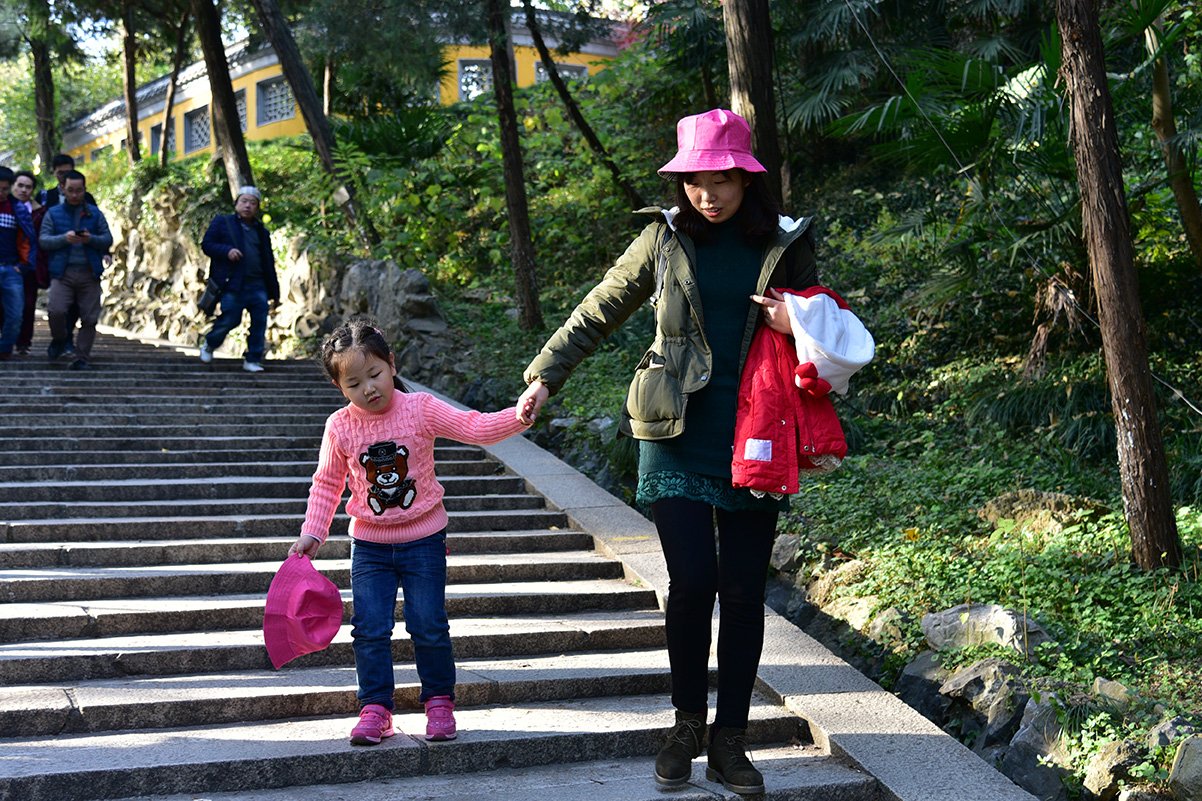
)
(101, 152)
(169, 144)
(196, 129)
(475, 78)
(275, 101)
(569, 72)
(240, 100)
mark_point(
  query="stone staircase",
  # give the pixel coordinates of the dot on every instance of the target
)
(144, 508)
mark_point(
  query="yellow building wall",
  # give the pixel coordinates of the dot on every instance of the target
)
(525, 58)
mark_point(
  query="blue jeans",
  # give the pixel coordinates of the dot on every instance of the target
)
(233, 303)
(421, 569)
(12, 300)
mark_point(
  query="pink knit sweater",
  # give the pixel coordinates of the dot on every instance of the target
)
(389, 457)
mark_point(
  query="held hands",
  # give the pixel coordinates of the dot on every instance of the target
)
(776, 314)
(531, 402)
(234, 254)
(78, 237)
(305, 544)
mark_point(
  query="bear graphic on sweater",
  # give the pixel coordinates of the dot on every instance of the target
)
(387, 470)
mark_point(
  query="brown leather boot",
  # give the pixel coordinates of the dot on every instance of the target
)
(674, 763)
(728, 763)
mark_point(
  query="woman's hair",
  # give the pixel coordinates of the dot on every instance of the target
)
(357, 335)
(758, 214)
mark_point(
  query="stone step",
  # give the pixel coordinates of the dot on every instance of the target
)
(152, 702)
(261, 755)
(185, 470)
(258, 549)
(210, 487)
(189, 526)
(223, 649)
(59, 445)
(13, 461)
(793, 772)
(96, 420)
(181, 429)
(89, 583)
(57, 621)
(204, 507)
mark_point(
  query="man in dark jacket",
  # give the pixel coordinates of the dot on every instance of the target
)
(242, 264)
(76, 236)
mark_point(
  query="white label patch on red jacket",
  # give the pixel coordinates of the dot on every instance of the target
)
(758, 450)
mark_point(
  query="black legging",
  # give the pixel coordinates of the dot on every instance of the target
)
(696, 574)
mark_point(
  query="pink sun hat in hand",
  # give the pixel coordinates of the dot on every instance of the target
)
(715, 140)
(303, 613)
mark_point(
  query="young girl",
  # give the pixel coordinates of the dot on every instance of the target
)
(719, 250)
(384, 440)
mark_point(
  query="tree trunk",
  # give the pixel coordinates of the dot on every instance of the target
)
(293, 65)
(129, 83)
(632, 195)
(1163, 122)
(177, 64)
(749, 52)
(43, 84)
(224, 107)
(520, 244)
(1106, 225)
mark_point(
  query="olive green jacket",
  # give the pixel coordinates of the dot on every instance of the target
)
(679, 360)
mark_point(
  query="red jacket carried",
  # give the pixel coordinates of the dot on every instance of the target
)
(785, 423)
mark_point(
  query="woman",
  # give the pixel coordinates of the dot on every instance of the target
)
(708, 267)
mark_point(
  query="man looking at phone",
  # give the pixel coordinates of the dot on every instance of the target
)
(76, 236)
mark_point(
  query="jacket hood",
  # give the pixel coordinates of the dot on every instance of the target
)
(784, 223)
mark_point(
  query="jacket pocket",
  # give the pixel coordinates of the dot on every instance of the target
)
(654, 403)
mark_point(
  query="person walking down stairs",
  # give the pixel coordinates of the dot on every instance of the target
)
(384, 441)
(242, 264)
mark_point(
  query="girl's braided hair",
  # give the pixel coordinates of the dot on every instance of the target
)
(358, 334)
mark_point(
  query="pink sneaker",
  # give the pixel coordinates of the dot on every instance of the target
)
(375, 723)
(440, 718)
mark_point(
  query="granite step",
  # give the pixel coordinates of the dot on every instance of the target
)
(152, 702)
(205, 507)
(178, 471)
(13, 461)
(258, 549)
(55, 623)
(211, 487)
(793, 772)
(33, 585)
(189, 526)
(263, 755)
(499, 633)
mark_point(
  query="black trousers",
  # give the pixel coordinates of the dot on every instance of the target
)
(735, 570)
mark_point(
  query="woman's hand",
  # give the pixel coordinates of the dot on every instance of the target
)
(776, 314)
(305, 544)
(531, 402)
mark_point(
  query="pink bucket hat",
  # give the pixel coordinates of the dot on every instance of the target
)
(304, 611)
(715, 140)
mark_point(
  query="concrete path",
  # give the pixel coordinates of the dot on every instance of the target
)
(144, 508)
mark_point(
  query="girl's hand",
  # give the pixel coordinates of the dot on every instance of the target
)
(531, 402)
(776, 314)
(305, 544)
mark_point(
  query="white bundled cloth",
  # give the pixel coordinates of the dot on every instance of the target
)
(829, 336)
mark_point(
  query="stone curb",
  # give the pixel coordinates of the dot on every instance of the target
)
(850, 716)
